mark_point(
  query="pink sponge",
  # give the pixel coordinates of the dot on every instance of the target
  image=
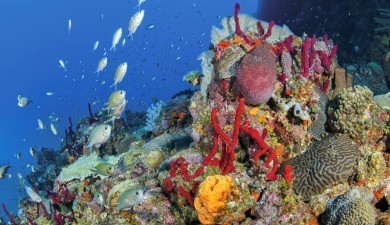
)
(256, 75)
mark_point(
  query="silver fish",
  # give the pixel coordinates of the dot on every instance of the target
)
(135, 21)
(3, 170)
(115, 39)
(62, 64)
(18, 155)
(32, 152)
(33, 195)
(69, 25)
(99, 197)
(23, 101)
(95, 46)
(130, 198)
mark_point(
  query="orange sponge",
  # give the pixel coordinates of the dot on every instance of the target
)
(213, 195)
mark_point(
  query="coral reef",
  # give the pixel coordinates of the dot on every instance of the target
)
(276, 134)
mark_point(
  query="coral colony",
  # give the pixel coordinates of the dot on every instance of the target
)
(276, 134)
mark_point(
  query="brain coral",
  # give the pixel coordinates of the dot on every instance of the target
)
(256, 75)
(324, 164)
(352, 207)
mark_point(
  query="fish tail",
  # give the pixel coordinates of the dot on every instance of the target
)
(89, 146)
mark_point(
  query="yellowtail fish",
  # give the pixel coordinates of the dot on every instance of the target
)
(49, 93)
(99, 135)
(123, 42)
(40, 125)
(101, 65)
(115, 39)
(119, 74)
(135, 21)
(104, 169)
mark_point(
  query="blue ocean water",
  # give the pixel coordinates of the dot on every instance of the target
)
(34, 37)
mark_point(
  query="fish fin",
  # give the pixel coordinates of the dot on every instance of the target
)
(97, 145)
(131, 35)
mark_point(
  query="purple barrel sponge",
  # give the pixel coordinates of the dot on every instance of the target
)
(256, 75)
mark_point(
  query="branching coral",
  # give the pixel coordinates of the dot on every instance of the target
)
(152, 115)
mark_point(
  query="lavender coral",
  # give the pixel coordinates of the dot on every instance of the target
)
(152, 115)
